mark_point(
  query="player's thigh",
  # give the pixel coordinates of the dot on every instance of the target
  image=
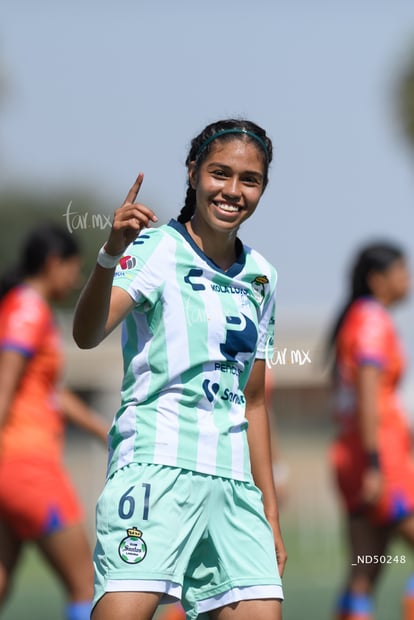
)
(126, 605)
(261, 609)
(10, 549)
(68, 552)
(149, 519)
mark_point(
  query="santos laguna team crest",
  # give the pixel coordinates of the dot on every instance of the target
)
(258, 285)
(132, 549)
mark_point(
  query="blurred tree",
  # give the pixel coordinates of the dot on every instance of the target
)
(82, 214)
(5, 89)
(405, 99)
(3, 82)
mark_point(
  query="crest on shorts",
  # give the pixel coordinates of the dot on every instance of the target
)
(132, 549)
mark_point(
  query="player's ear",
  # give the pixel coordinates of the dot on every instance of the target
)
(376, 282)
(192, 175)
(51, 263)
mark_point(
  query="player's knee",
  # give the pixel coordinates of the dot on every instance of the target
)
(79, 584)
(363, 581)
(81, 591)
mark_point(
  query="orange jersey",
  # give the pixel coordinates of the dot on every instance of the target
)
(368, 336)
(33, 424)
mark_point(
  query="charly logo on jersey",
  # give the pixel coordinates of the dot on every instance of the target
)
(140, 239)
(127, 262)
(192, 275)
(196, 273)
(132, 549)
(258, 286)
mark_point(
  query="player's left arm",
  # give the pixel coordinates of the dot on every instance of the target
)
(258, 435)
(77, 411)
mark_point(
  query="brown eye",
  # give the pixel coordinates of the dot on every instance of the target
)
(251, 180)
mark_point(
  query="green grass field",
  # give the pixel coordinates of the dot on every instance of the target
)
(312, 577)
(36, 594)
(311, 529)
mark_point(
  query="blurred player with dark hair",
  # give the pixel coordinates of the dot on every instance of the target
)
(37, 500)
(372, 454)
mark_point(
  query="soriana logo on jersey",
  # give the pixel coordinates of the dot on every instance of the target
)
(127, 262)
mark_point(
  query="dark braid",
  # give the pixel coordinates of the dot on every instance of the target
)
(187, 211)
(198, 154)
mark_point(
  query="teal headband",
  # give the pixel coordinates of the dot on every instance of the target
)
(224, 132)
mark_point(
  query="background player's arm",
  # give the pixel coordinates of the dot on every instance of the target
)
(78, 412)
(12, 366)
(260, 452)
(367, 386)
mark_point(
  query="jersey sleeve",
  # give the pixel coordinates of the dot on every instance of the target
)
(371, 336)
(24, 322)
(266, 336)
(137, 271)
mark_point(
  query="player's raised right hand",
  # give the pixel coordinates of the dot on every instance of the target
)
(129, 220)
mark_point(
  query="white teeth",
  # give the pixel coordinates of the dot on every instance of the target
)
(229, 208)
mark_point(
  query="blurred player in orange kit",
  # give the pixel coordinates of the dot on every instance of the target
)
(172, 612)
(372, 454)
(37, 500)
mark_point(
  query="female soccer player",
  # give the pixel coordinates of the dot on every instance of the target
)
(37, 501)
(189, 509)
(372, 455)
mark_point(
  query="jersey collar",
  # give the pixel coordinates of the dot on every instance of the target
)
(236, 267)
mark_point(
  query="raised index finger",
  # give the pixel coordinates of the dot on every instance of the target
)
(133, 192)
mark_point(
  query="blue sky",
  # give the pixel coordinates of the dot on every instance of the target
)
(100, 90)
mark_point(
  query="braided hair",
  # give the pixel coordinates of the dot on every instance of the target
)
(226, 130)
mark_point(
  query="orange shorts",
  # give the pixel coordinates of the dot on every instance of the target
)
(37, 497)
(397, 466)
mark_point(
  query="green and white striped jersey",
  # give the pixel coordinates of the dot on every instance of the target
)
(188, 349)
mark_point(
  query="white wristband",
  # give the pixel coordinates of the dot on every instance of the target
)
(107, 261)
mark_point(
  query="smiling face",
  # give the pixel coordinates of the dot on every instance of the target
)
(228, 184)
